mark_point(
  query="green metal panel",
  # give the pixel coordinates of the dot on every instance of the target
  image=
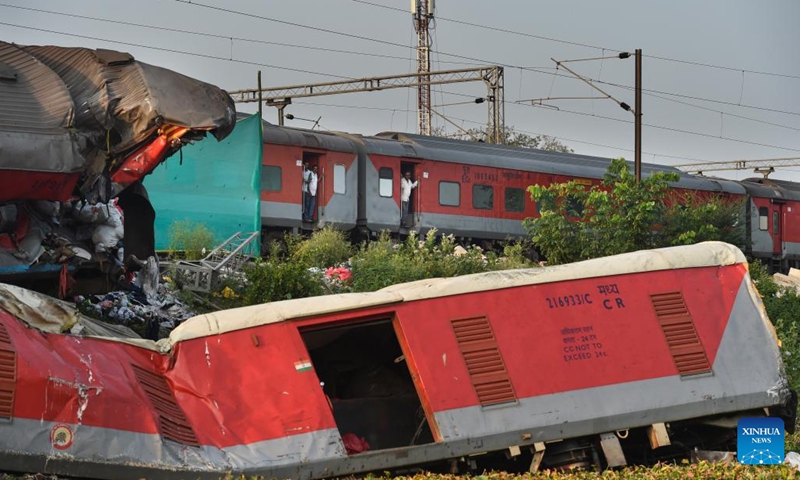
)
(214, 183)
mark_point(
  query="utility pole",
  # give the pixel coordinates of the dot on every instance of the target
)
(422, 12)
(636, 111)
(638, 118)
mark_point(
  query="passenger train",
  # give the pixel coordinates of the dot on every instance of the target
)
(473, 190)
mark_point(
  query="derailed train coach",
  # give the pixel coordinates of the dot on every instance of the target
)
(79, 129)
(633, 358)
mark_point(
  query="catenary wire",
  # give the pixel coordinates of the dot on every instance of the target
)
(586, 45)
(386, 109)
(338, 76)
(659, 127)
(172, 50)
(217, 36)
(352, 52)
(464, 57)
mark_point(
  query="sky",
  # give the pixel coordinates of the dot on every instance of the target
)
(693, 110)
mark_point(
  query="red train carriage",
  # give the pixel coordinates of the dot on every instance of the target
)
(472, 190)
(286, 150)
(477, 190)
(772, 223)
(567, 365)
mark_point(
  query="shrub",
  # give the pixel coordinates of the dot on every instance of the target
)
(783, 309)
(325, 248)
(276, 279)
(382, 263)
(191, 238)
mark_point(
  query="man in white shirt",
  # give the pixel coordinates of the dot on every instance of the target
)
(311, 195)
(306, 175)
(406, 185)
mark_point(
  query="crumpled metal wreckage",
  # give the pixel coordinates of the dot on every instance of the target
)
(78, 128)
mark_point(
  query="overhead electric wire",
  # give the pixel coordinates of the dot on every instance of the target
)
(672, 129)
(660, 127)
(722, 67)
(539, 37)
(172, 50)
(647, 91)
(386, 109)
(586, 45)
(723, 113)
(348, 78)
(690, 97)
(474, 61)
(213, 35)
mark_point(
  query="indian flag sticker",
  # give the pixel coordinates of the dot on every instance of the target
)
(302, 366)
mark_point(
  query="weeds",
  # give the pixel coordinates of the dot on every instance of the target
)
(192, 238)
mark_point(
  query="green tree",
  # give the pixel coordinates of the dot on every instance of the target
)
(696, 218)
(510, 136)
(620, 215)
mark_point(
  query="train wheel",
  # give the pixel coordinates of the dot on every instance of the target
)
(571, 455)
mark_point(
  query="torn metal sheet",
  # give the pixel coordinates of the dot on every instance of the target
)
(77, 123)
(39, 154)
(73, 114)
(51, 315)
(124, 101)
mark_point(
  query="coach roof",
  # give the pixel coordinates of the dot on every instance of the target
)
(693, 256)
(525, 159)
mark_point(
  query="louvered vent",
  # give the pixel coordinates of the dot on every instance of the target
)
(5, 339)
(484, 362)
(171, 419)
(8, 374)
(678, 327)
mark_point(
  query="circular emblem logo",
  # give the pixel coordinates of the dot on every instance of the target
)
(61, 437)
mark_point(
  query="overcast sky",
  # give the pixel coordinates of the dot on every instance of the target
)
(753, 103)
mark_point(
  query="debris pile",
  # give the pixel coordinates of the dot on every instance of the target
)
(790, 280)
(152, 311)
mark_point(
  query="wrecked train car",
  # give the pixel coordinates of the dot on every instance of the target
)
(79, 127)
(631, 358)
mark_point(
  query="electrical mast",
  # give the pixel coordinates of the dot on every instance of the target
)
(422, 12)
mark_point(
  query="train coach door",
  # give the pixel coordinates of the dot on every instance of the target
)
(777, 228)
(371, 390)
(312, 161)
(409, 220)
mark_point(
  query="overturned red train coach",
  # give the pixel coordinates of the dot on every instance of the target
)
(631, 358)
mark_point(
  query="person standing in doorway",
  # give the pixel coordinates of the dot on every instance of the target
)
(306, 175)
(406, 185)
(311, 195)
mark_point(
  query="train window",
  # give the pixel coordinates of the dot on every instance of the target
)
(574, 206)
(515, 200)
(776, 223)
(546, 202)
(449, 194)
(482, 197)
(270, 178)
(763, 218)
(385, 182)
(339, 173)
